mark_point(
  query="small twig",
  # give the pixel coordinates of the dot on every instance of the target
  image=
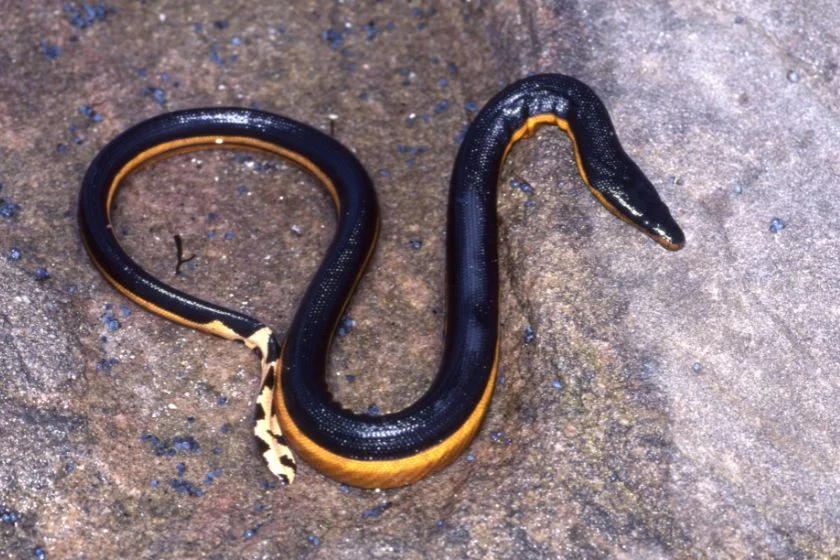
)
(179, 247)
(333, 117)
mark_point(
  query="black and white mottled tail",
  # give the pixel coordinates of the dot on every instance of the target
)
(270, 441)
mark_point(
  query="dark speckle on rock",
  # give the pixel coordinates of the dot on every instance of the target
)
(41, 273)
(500, 437)
(86, 14)
(370, 30)
(51, 51)
(376, 510)
(8, 209)
(155, 93)
(528, 335)
(183, 486)
(8, 515)
(521, 185)
(14, 254)
(415, 244)
(109, 319)
(164, 448)
(214, 54)
(73, 129)
(345, 325)
(159, 447)
(335, 39)
(90, 113)
(187, 443)
(776, 225)
(313, 540)
(106, 364)
(212, 475)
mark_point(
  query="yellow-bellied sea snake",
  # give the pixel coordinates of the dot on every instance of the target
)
(294, 407)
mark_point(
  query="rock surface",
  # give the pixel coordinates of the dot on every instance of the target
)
(666, 405)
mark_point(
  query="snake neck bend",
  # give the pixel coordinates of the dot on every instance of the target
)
(460, 392)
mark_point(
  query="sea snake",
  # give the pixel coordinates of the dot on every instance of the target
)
(294, 407)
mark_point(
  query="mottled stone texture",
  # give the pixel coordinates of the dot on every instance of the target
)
(668, 406)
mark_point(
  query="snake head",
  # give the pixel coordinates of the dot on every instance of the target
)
(632, 197)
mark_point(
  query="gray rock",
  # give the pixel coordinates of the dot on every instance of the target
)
(665, 405)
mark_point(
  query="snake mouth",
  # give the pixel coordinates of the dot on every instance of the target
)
(669, 236)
